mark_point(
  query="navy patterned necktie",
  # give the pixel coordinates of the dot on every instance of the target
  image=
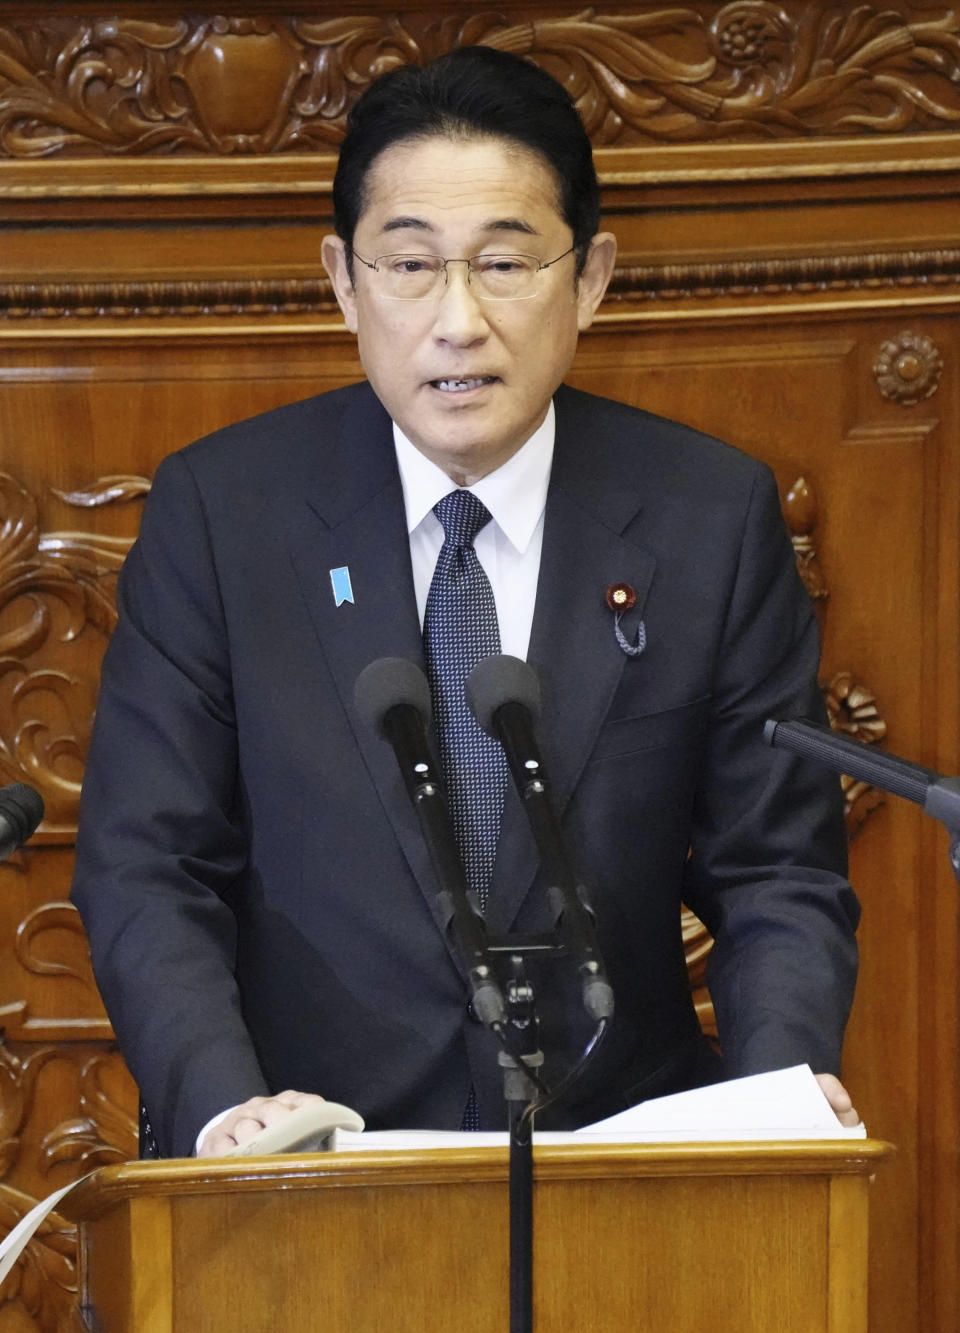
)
(459, 630)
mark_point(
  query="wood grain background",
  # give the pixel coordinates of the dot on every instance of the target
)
(783, 179)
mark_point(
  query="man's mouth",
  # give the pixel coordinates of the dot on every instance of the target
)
(462, 385)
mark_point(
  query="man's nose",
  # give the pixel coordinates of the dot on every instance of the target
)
(461, 317)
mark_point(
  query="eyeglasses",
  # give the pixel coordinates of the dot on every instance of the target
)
(492, 277)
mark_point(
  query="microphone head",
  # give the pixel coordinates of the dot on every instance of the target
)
(22, 808)
(384, 684)
(501, 680)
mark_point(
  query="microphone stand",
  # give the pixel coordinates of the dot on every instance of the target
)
(393, 698)
(504, 696)
(520, 1093)
(521, 1084)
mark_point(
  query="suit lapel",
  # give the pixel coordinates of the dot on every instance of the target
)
(353, 516)
(572, 647)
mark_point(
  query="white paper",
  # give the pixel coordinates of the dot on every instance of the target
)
(785, 1104)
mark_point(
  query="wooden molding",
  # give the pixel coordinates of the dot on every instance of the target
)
(110, 84)
(632, 285)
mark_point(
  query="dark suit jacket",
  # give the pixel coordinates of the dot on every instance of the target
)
(260, 904)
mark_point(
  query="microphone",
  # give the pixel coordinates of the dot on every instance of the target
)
(21, 809)
(504, 696)
(939, 796)
(393, 699)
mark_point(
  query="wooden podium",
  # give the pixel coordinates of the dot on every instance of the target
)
(671, 1238)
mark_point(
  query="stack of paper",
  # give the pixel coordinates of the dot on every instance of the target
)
(785, 1104)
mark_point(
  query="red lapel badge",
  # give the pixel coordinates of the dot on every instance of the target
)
(621, 598)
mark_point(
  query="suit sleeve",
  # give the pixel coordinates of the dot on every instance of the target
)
(161, 836)
(767, 870)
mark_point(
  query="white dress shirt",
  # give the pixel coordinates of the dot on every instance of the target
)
(508, 547)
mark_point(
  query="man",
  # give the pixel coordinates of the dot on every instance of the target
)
(260, 903)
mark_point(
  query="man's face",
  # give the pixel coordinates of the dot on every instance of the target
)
(467, 380)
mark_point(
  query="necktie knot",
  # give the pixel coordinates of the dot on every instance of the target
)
(462, 516)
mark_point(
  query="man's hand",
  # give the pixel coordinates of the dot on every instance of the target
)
(839, 1099)
(249, 1118)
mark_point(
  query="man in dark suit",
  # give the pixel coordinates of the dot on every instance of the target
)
(260, 903)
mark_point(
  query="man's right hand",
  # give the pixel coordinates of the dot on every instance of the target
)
(249, 1118)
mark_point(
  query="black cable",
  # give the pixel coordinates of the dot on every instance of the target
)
(549, 1097)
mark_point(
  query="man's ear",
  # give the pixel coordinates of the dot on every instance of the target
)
(596, 274)
(334, 256)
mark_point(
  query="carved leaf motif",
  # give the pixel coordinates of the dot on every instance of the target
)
(852, 709)
(52, 586)
(43, 1281)
(49, 715)
(17, 1083)
(60, 916)
(267, 85)
(104, 84)
(93, 562)
(106, 490)
(344, 56)
(105, 1131)
(23, 574)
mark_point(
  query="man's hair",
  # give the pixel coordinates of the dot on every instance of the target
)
(471, 92)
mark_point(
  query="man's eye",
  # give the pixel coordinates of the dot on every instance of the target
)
(405, 264)
(500, 264)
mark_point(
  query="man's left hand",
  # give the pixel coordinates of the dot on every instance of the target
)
(839, 1099)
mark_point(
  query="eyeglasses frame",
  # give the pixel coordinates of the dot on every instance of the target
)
(481, 296)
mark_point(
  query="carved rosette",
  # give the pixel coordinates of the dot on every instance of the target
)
(908, 368)
(203, 84)
(52, 586)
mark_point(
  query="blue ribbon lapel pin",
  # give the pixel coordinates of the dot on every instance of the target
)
(342, 587)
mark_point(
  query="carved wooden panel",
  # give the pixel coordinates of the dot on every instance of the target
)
(52, 585)
(40, 1151)
(130, 84)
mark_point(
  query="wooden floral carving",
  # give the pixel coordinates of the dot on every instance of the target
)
(853, 710)
(52, 586)
(43, 1282)
(908, 368)
(104, 1131)
(50, 942)
(42, 1285)
(202, 84)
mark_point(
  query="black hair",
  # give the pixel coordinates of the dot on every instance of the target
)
(473, 91)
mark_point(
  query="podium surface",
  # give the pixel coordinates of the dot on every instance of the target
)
(670, 1237)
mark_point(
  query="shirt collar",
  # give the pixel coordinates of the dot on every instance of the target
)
(515, 493)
